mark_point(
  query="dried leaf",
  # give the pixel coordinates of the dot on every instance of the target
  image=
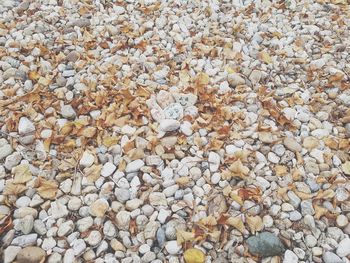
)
(6, 224)
(346, 167)
(108, 141)
(47, 188)
(236, 222)
(182, 181)
(208, 221)
(237, 169)
(326, 194)
(255, 223)
(184, 236)
(88, 132)
(93, 173)
(22, 174)
(319, 211)
(194, 255)
(265, 57)
(281, 170)
(14, 189)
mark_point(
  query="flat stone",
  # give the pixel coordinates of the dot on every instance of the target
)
(25, 126)
(292, 144)
(290, 257)
(168, 125)
(5, 150)
(31, 255)
(87, 159)
(10, 253)
(265, 244)
(172, 247)
(343, 249)
(108, 169)
(65, 228)
(134, 166)
(329, 257)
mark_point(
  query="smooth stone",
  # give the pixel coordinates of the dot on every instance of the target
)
(174, 111)
(329, 257)
(265, 244)
(68, 112)
(87, 159)
(25, 240)
(134, 166)
(31, 255)
(185, 99)
(172, 247)
(343, 248)
(25, 126)
(168, 125)
(290, 257)
(108, 169)
(292, 144)
(10, 253)
(5, 150)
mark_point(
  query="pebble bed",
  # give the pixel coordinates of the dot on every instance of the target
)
(133, 131)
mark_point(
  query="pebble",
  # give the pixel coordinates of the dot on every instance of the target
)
(134, 166)
(214, 161)
(172, 247)
(68, 112)
(290, 257)
(30, 255)
(87, 159)
(25, 240)
(168, 125)
(65, 228)
(10, 253)
(5, 150)
(25, 126)
(99, 207)
(292, 144)
(108, 169)
(343, 248)
(342, 221)
(329, 257)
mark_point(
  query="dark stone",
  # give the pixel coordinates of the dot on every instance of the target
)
(265, 244)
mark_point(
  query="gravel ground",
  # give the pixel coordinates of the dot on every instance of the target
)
(174, 131)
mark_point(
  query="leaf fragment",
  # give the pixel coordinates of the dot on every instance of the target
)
(22, 174)
(194, 255)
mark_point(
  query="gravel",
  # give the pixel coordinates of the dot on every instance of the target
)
(127, 127)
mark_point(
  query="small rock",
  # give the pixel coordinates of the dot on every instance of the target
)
(108, 169)
(25, 126)
(68, 112)
(329, 257)
(122, 194)
(94, 238)
(99, 207)
(172, 247)
(157, 198)
(10, 253)
(65, 228)
(5, 150)
(290, 257)
(343, 249)
(265, 244)
(168, 125)
(58, 210)
(342, 221)
(185, 99)
(134, 166)
(174, 111)
(123, 220)
(25, 240)
(87, 159)
(292, 144)
(214, 161)
(31, 255)
(235, 79)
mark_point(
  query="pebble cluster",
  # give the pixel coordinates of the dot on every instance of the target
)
(132, 131)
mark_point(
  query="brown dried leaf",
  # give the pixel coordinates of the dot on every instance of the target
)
(47, 188)
(93, 173)
(184, 236)
(14, 189)
(22, 174)
(255, 223)
(236, 222)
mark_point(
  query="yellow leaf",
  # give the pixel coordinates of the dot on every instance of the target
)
(236, 198)
(281, 170)
(184, 180)
(194, 255)
(93, 173)
(22, 174)
(108, 141)
(327, 194)
(264, 56)
(255, 223)
(236, 222)
(67, 128)
(208, 221)
(202, 79)
(319, 211)
(14, 189)
(136, 153)
(47, 188)
(33, 75)
(183, 236)
(89, 132)
(346, 167)
(238, 169)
